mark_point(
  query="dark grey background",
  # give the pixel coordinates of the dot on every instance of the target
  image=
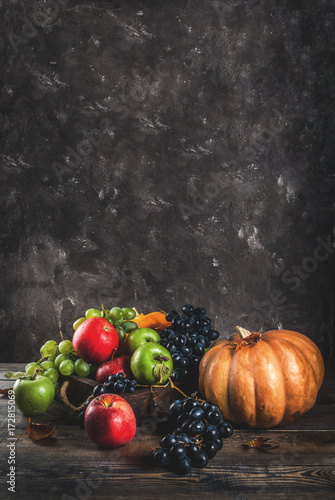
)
(155, 153)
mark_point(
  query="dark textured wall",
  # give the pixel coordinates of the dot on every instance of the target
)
(161, 152)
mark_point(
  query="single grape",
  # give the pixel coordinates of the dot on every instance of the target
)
(78, 322)
(47, 364)
(187, 309)
(211, 433)
(129, 326)
(32, 364)
(52, 374)
(82, 368)
(65, 347)
(170, 315)
(225, 430)
(200, 459)
(190, 403)
(117, 322)
(93, 313)
(176, 407)
(128, 313)
(110, 386)
(200, 311)
(116, 314)
(213, 335)
(184, 438)
(31, 369)
(195, 428)
(161, 457)
(183, 465)
(210, 449)
(168, 441)
(119, 387)
(121, 333)
(98, 390)
(197, 413)
(219, 443)
(177, 451)
(66, 367)
(213, 417)
(49, 348)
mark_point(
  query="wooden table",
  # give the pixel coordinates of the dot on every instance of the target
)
(70, 466)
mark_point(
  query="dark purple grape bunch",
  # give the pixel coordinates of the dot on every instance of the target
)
(199, 430)
(189, 335)
(115, 384)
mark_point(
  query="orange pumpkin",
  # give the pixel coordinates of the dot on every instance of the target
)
(262, 379)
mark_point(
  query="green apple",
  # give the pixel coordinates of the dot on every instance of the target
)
(33, 396)
(151, 364)
(138, 337)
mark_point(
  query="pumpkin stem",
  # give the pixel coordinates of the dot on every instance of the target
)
(243, 333)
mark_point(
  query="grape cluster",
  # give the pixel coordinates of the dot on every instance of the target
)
(198, 435)
(187, 340)
(58, 359)
(115, 384)
(119, 317)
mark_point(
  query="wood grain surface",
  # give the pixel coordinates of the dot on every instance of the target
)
(69, 465)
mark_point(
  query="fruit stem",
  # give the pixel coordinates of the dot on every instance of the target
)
(243, 333)
(60, 333)
(177, 388)
(35, 374)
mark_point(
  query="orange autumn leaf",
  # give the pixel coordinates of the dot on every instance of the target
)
(155, 320)
(39, 431)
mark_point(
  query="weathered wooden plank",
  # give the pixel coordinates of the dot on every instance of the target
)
(117, 481)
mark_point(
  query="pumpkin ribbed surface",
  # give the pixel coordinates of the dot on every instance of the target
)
(263, 380)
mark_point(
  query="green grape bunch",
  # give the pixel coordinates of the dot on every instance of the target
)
(59, 359)
(120, 318)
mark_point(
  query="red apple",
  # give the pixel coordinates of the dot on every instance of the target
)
(110, 421)
(116, 365)
(95, 340)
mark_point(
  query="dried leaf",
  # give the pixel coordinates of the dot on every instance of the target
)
(5, 391)
(155, 320)
(260, 443)
(39, 431)
(160, 371)
(14, 374)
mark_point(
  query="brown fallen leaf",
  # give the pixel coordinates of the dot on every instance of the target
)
(6, 391)
(262, 444)
(39, 431)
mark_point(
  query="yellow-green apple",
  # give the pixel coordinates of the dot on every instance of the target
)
(110, 421)
(139, 337)
(95, 340)
(33, 394)
(151, 364)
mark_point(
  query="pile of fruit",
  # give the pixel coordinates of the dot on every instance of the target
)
(124, 351)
